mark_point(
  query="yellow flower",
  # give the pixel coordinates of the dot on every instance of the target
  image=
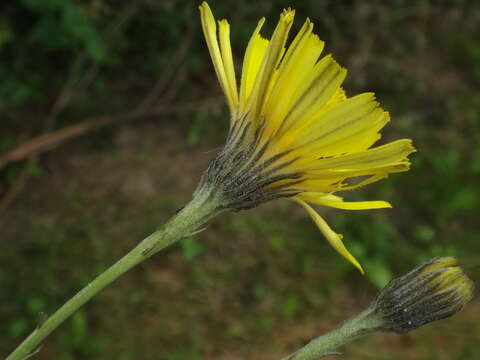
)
(293, 131)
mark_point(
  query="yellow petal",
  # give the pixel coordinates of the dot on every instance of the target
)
(367, 181)
(272, 57)
(315, 198)
(254, 55)
(332, 237)
(210, 32)
(224, 34)
(326, 79)
(294, 72)
(351, 126)
(358, 138)
(385, 156)
(332, 182)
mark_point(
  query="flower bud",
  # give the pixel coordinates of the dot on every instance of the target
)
(435, 290)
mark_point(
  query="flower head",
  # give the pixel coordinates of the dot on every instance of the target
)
(435, 290)
(293, 131)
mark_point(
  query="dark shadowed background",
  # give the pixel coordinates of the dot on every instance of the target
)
(110, 110)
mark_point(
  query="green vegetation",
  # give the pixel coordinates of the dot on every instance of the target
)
(256, 284)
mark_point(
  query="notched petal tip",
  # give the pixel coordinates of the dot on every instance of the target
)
(287, 15)
(223, 22)
(205, 10)
(317, 41)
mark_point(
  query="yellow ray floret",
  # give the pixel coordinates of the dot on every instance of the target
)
(224, 32)
(225, 75)
(294, 132)
(254, 55)
(263, 82)
(333, 238)
(337, 202)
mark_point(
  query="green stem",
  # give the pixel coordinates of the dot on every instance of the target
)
(188, 221)
(328, 344)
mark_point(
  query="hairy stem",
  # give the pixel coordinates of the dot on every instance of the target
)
(329, 343)
(186, 222)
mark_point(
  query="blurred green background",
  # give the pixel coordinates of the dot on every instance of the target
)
(110, 110)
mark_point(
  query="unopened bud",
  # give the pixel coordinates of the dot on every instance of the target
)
(435, 290)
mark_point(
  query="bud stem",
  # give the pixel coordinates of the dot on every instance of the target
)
(188, 220)
(360, 325)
